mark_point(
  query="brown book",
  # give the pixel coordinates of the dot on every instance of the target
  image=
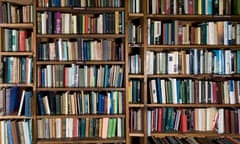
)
(226, 121)
(15, 134)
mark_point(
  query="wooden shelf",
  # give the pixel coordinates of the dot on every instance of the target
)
(184, 47)
(136, 134)
(93, 36)
(86, 10)
(187, 134)
(81, 62)
(17, 25)
(20, 2)
(139, 76)
(130, 105)
(196, 18)
(82, 116)
(81, 89)
(16, 53)
(14, 117)
(17, 84)
(194, 105)
(79, 140)
(219, 77)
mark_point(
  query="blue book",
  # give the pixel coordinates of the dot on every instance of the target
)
(209, 8)
(178, 91)
(9, 132)
(28, 95)
(83, 127)
(40, 104)
(106, 76)
(23, 69)
(238, 61)
(112, 103)
(14, 102)
(159, 92)
(65, 53)
(42, 77)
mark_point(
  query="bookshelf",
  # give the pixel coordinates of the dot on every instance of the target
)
(80, 72)
(119, 71)
(17, 48)
(191, 97)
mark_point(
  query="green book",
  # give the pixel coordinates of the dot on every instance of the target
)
(110, 128)
(114, 127)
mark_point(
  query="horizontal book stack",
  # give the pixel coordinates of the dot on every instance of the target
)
(77, 103)
(13, 13)
(193, 7)
(193, 61)
(219, 120)
(81, 128)
(67, 23)
(181, 32)
(81, 49)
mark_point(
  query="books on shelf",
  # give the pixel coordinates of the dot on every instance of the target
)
(81, 50)
(179, 33)
(15, 13)
(15, 101)
(193, 61)
(190, 91)
(76, 103)
(108, 23)
(220, 120)
(81, 127)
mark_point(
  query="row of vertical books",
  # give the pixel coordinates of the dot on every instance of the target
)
(81, 3)
(15, 131)
(12, 13)
(15, 101)
(197, 7)
(81, 49)
(193, 61)
(208, 33)
(135, 120)
(221, 120)
(135, 6)
(193, 140)
(80, 76)
(76, 103)
(182, 91)
(17, 70)
(135, 32)
(16, 40)
(134, 91)
(134, 64)
(81, 128)
(67, 23)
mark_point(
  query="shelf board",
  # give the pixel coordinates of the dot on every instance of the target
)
(18, 85)
(87, 10)
(132, 16)
(16, 53)
(136, 134)
(140, 76)
(195, 18)
(195, 76)
(80, 62)
(191, 46)
(81, 89)
(17, 25)
(192, 134)
(79, 140)
(130, 105)
(93, 36)
(15, 117)
(82, 116)
(193, 105)
(135, 45)
(20, 2)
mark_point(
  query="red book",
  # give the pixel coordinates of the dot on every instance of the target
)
(75, 127)
(159, 128)
(190, 6)
(183, 122)
(164, 33)
(168, 7)
(214, 92)
(22, 42)
(65, 76)
(180, 33)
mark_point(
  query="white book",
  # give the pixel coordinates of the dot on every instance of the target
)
(138, 8)
(232, 99)
(154, 91)
(119, 127)
(74, 24)
(220, 122)
(237, 34)
(26, 132)
(225, 33)
(3, 134)
(46, 105)
(149, 124)
(43, 23)
(164, 99)
(174, 90)
(211, 32)
(148, 30)
(58, 128)
(228, 64)
(21, 103)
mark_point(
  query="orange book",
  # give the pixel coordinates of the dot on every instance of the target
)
(104, 128)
